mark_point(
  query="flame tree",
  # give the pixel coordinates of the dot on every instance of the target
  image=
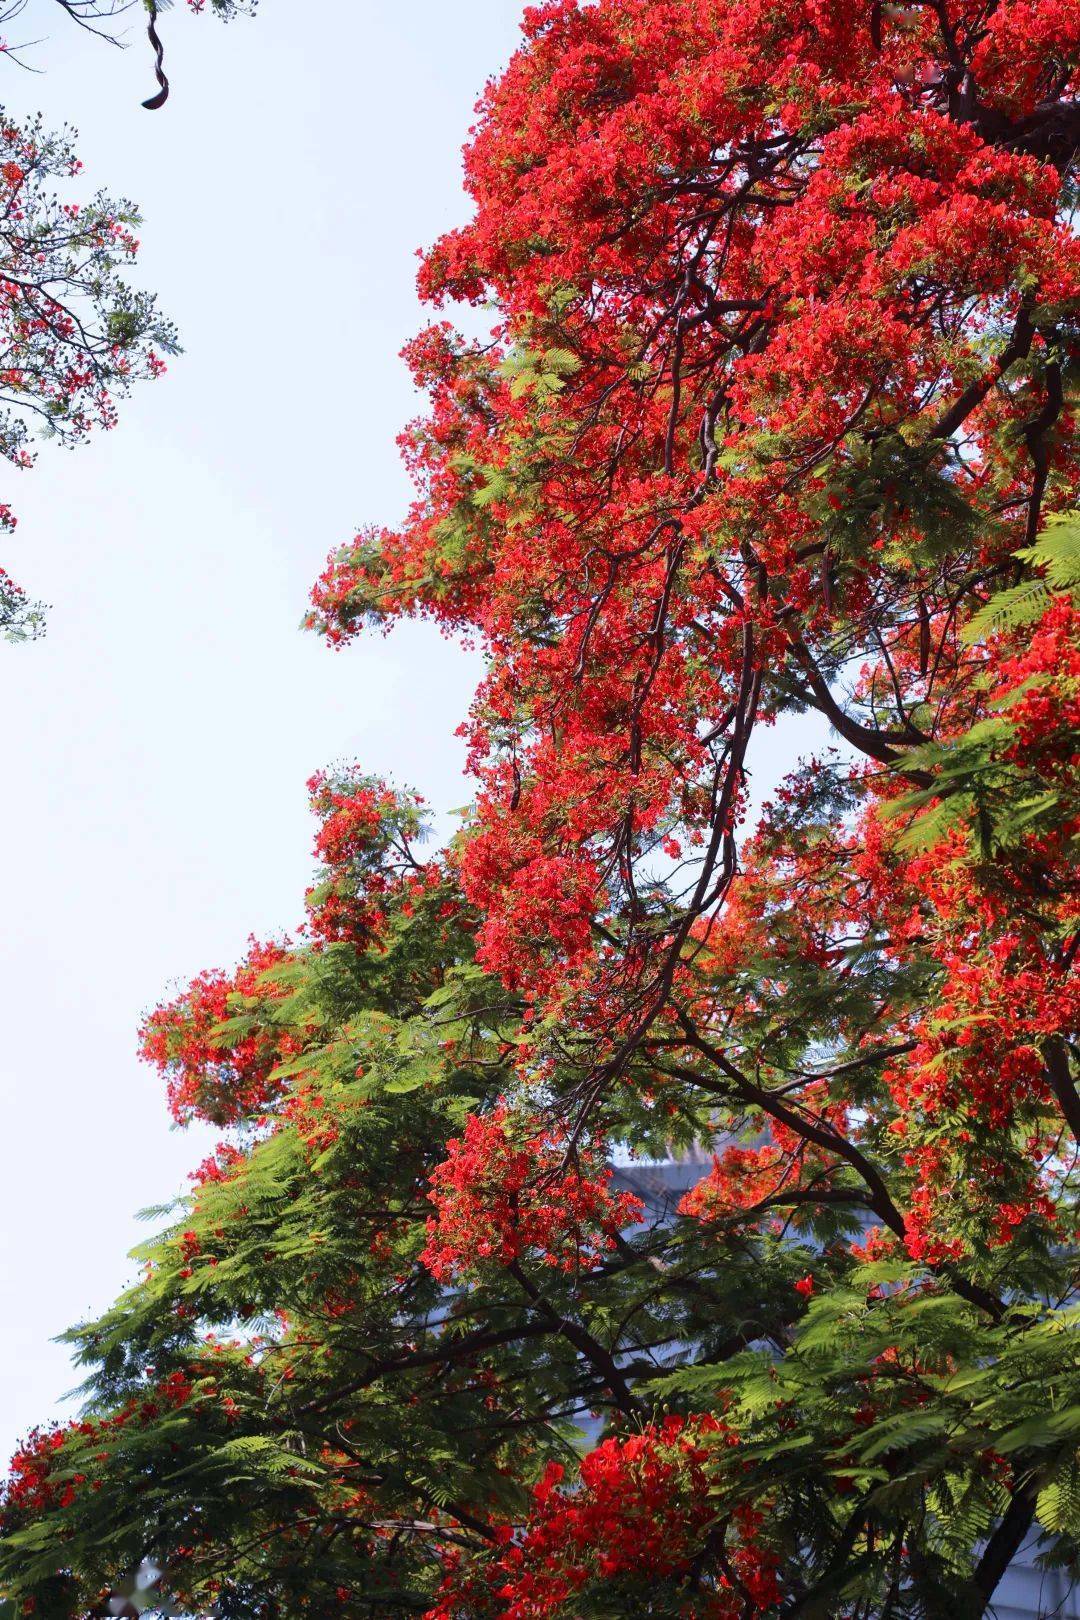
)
(777, 418)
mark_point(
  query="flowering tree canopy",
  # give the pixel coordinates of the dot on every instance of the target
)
(777, 418)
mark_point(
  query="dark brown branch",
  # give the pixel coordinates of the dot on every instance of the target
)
(583, 1341)
(446, 1352)
(1003, 1546)
(1061, 1081)
(152, 103)
(879, 1198)
(1017, 348)
(876, 744)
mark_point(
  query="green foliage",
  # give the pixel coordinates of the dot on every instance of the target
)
(286, 1406)
(980, 779)
(1055, 561)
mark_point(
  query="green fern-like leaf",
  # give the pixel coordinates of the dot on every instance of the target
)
(934, 824)
(1008, 610)
(1056, 553)
(1059, 1502)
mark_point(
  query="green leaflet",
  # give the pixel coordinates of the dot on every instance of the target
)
(1057, 553)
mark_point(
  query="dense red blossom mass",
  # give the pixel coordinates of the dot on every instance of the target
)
(214, 1073)
(760, 279)
(493, 1202)
(364, 845)
(637, 1515)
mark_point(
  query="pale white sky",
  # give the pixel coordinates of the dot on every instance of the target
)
(157, 742)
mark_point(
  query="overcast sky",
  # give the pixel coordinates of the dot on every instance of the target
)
(157, 742)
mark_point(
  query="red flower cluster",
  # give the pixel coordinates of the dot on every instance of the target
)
(505, 1193)
(220, 1076)
(639, 1512)
(1029, 51)
(41, 1477)
(31, 1486)
(764, 1184)
(364, 843)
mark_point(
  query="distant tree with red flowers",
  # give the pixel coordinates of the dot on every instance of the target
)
(774, 434)
(74, 336)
